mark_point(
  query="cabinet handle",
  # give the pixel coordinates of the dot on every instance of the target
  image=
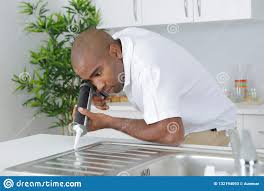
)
(199, 4)
(261, 132)
(135, 10)
(186, 8)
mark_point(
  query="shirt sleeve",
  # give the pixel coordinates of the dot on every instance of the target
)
(160, 100)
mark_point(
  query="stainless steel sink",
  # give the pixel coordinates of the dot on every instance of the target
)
(125, 159)
(182, 164)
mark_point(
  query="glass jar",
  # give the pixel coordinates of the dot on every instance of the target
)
(241, 90)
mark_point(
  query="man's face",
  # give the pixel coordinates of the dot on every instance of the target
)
(104, 72)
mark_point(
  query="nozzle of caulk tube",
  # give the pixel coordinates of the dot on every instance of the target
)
(79, 132)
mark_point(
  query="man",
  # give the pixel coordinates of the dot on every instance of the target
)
(175, 93)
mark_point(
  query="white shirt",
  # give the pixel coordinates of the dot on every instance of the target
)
(163, 80)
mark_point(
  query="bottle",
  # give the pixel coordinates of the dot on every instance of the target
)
(241, 84)
(241, 90)
(253, 95)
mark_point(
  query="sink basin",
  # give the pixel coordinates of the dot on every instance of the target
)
(125, 159)
(182, 164)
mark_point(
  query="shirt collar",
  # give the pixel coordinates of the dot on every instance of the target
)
(127, 53)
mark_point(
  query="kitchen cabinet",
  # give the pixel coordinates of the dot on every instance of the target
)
(251, 117)
(217, 10)
(254, 123)
(166, 11)
(119, 13)
(124, 13)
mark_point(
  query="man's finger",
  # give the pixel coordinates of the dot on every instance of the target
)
(102, 103)
(74, 112)
(85, 112)
(98, 98)
(104, 107)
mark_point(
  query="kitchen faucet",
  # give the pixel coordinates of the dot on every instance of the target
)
(244, 152)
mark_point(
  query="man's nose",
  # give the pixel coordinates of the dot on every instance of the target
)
(99, 85)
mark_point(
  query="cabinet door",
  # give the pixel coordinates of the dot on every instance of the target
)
(119, 13)
(166, 11)
(215, 10)
(254, 124)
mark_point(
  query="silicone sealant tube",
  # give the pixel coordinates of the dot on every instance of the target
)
(81, 121)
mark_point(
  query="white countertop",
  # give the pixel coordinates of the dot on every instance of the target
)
(247, 109)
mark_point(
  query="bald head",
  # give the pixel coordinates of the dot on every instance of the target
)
(92, 43)
(97, 57)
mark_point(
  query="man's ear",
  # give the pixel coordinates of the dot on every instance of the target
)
(115, 51)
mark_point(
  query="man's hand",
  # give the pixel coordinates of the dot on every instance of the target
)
(96, 120)
(100, 102)
(74, 112)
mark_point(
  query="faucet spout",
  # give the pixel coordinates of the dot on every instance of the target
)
(244, 152)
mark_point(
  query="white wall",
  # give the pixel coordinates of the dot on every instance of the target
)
(17, 121)
(218, 46)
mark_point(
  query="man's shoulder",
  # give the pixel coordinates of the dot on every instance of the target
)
(134, 32)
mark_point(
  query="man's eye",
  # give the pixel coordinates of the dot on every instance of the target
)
(98, 74)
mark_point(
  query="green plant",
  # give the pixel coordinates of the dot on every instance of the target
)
(53, 86)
